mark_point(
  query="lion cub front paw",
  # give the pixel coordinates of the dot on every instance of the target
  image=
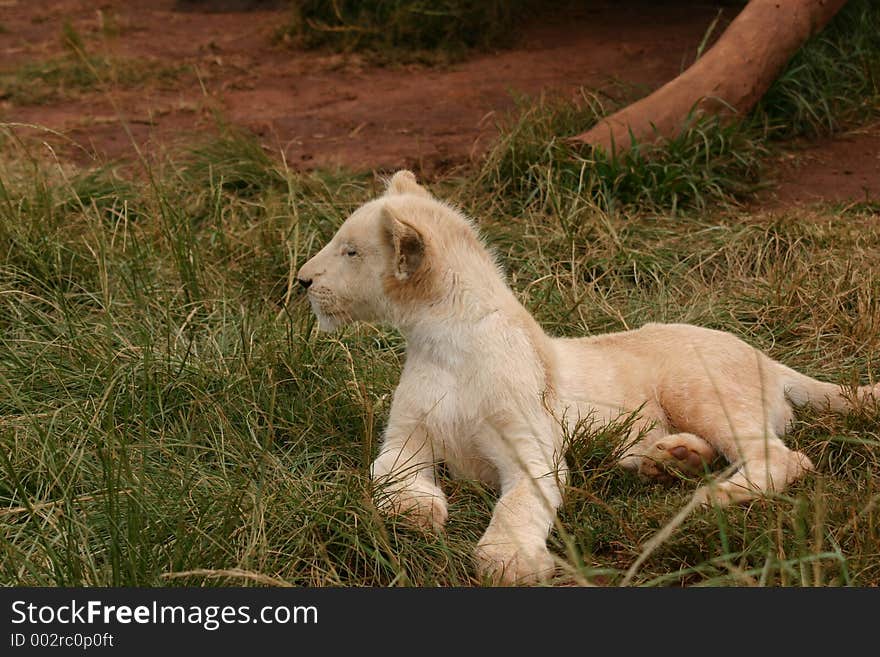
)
(509, 563)
(422, 509)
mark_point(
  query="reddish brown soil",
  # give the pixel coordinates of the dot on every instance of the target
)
(327, 110)
(843, 169)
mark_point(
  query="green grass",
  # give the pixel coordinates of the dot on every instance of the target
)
(67, 76)
(710, 162)
(834, 79)
(76, 71)
(405, 30)
(166, 404)
(833, 82)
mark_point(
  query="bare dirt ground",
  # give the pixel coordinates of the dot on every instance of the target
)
(329, 110)
(843, 169)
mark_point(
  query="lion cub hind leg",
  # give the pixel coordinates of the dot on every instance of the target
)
(742, 417)
(660, 457)
(767, 466)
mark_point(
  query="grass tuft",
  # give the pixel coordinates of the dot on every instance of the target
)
(75, 72)
(233, 162)
(710, 162)
(64, 77)
(405, 30)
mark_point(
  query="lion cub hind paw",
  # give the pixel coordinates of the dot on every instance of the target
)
(681, 453)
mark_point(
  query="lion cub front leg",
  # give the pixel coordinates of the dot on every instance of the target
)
(404, 477)
(513, 550)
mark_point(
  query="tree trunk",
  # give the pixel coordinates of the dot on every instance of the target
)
(727, 81)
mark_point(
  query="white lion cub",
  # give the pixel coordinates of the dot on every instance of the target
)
(486, 391)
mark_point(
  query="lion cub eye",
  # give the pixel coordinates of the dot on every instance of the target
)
(350, 252)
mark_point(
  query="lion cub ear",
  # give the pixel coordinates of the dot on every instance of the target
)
(404, 182)
(407, 243)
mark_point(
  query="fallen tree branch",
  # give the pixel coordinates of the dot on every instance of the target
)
(727, 81)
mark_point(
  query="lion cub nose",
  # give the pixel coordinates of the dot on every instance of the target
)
(305, 282)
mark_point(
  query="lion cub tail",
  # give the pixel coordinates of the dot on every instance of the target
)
(802, 390)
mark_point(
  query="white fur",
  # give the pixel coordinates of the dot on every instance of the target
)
(486, 391)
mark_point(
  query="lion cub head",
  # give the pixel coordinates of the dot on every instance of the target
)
(381, 260)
